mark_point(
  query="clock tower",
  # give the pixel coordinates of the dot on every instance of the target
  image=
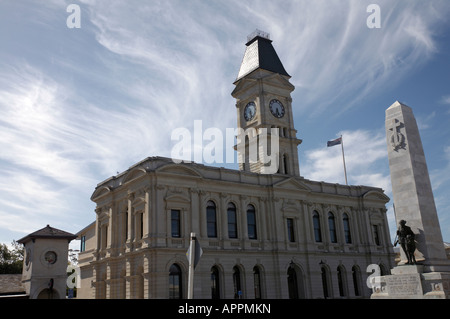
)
(264, 105)
(44, 272)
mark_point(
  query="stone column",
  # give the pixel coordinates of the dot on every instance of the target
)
(110, 231)
(130, 234)
(411, 187)
(147, 215)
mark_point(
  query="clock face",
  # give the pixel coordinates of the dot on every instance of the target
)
(50, 257)
(277, 108)
(250, 111)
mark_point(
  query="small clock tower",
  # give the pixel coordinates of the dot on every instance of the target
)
(44, 272)
(263, 101)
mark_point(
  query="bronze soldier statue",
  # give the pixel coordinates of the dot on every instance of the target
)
(406, 238)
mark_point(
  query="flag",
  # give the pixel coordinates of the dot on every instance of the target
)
(334, 142)
(337, 142)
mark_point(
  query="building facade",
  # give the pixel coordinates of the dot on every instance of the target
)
(264, 233)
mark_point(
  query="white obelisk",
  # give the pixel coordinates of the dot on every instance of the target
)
(411, 187)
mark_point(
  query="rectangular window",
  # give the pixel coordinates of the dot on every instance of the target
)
(126, 226)
(83, 244)
(290, 229)
(141, 225)
(104, 236)
(175, 222)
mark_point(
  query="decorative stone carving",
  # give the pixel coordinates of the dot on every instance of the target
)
(397, 139)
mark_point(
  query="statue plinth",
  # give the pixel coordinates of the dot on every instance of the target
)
(411, 282)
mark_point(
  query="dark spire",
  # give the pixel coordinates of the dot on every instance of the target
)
(260, 54)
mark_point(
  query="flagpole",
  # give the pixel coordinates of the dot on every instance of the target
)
(343, 160)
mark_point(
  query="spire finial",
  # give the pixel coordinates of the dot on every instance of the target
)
(258, 33)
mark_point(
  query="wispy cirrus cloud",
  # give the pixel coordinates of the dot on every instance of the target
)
(337, 60)
(445, 100)
(56, 146)
(79, 105)
(326, 46)
(36, 151)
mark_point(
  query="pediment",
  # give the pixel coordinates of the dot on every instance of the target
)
(243, 85)
(291, 183)
(134, 174)
(276, 79)
(101, 191)
(179, 169)
(376, 195)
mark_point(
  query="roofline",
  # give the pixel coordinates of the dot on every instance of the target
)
(85, 228)
(35, 235)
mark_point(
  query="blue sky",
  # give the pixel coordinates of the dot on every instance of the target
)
(79, 105)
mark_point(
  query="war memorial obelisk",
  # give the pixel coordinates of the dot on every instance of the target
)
(414, 203)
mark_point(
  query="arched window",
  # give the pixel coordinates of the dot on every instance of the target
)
(257, 282)
(137, 285)
(232, 221)
(211, 219)
(175, 291)
(342, 282)
(325, 284)
(317, 230)
(292, 283)
(356, 284)
(215, 283)
(332, 227)
(237, 283)
(251, 222)
(347, 234)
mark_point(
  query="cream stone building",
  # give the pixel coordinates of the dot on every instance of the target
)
(263, 235)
